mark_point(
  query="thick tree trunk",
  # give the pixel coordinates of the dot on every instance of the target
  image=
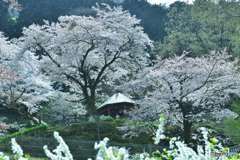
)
(187, 131)
(91, 103)
(90, 100)
(91, 106)
(186, 109)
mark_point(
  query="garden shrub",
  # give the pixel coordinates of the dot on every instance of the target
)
(177, 150)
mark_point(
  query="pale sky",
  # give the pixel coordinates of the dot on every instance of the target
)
(167, 2)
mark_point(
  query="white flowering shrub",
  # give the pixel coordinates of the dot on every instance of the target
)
(110, 153)
(61, 152)
(17, 150)
(3, 156)
(178, 150)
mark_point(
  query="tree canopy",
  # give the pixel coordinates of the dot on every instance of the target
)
(187, 90)
(88, 52)
(202, 27)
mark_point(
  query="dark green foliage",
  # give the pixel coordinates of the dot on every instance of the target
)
(180, 31)
(153, 17)
(231, 128)
(80, 137)
(22, 132)
(95, 131)
(36, 11)
(235, 106)
(202, 27)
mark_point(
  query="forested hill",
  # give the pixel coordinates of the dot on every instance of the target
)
(153, 17)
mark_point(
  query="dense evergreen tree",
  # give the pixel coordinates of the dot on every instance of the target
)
(202, 27)
(153, 17)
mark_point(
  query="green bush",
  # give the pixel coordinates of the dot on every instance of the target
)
(22, 132)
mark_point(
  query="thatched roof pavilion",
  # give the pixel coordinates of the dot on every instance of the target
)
(116, 105)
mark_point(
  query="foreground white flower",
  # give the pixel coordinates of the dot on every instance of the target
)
(61, 152)
(3, 156)
(110, 153)
(17, 150)
(159, 132)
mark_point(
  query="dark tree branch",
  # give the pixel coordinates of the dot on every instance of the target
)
(117, 54)
(46, 53)
(204, 83)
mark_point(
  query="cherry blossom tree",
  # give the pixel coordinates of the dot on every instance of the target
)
(85, 53)
(22, 87)
(187, 89)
